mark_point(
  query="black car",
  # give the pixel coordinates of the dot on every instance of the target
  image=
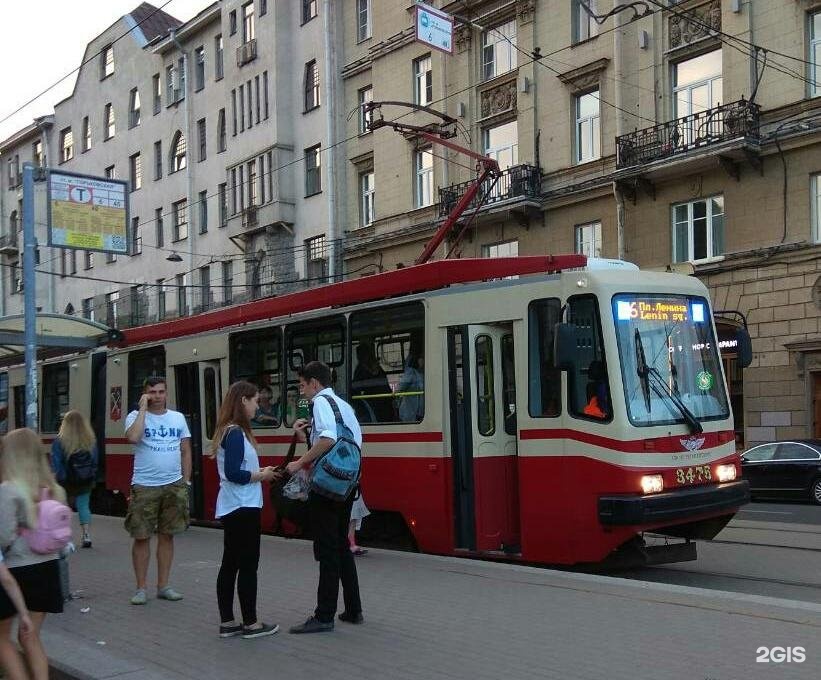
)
(788, 469)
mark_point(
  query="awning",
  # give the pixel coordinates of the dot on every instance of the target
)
(54, 332)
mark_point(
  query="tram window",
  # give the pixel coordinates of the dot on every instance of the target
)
(508, 384)
(544, 379)
(388, 364)
(256, 357)
(4, 403)
(145, 363)
(587, 384)
(485, 397)
(19, 406)
(55, 396)
(313, 341)
(210, 392)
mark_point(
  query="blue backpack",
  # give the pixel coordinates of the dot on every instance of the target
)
(336, 474)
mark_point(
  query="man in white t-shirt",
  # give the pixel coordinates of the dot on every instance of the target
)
(159, 485)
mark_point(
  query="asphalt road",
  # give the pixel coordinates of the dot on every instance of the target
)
(797, 512)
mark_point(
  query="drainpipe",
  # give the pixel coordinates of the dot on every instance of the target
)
(334, 247)
(189, 180)
(618, 67)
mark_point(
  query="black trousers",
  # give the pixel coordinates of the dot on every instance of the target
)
(240, 560)
(329, 524)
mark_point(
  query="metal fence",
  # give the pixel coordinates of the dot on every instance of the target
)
(519, 181)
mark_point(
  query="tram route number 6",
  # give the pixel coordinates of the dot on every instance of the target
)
(780, 654)
(691, 475)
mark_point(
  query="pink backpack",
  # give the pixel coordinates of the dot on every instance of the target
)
(53, 531)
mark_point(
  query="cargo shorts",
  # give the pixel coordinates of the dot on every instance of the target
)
(158, 509)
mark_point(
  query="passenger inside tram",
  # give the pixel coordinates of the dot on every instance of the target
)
(267, 414)
(597, 403)
(370, 379)
(411, 387)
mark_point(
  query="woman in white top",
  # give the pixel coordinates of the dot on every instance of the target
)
(239, 506)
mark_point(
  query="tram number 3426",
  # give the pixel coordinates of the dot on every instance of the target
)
(694, 474)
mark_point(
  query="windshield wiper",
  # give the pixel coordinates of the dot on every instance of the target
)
(661, 388)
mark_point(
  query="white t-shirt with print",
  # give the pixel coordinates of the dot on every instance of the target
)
(157, 459)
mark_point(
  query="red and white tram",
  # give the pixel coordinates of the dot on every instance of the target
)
(561, 408)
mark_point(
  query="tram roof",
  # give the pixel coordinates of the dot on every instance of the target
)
(416, 279)
(54, 332)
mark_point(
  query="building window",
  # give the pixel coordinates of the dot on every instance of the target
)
(234, 112)
(221, 137)
(227, 281)
(499, 50)
(223, 204)
(263, 7)
(588, 132)
(178, 152)
(308, 10)
(86, 134)
(252, 183)
(110, 172)
(698, 229)
(199, 68)
(37, 153)
(134, 108)
(316, 253)
(584, 25)
(503, 249)
(156, 93)
(588, 239)
(202, 141)
(815, 54)
(203, 204)
(241, 97)
(179, 214)
(111, 303)
(501, 143)
(423, 172)
(232, 20)
(109, 124)
(88, 308)
(365, 117)
(160, 299)
(363, 20)
(136, 239)
(259, 99)
(815, 192)
(106, 61)
(313, 171)
(248, 33)
(218, 57)
(66, 145)
(175, 82)
(88, 262)
(72, 261)
(136, 172)
(182, 303)
(697, 86)
(110, 258)
(422, 80)
(158, 224)
(265, 94)
(157, 160)
(205, 287)
(311, 85)
(368, 194)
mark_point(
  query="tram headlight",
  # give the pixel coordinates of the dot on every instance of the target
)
(652, 483)
(726, 473)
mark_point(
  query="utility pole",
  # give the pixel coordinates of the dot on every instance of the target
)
(30, 296)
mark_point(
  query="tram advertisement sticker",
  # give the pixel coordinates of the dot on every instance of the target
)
(704, 381)
(116, 403)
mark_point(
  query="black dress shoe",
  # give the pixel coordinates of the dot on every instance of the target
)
(313, 625)
(352, 618)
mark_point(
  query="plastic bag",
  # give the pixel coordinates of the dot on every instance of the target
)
(297, 487)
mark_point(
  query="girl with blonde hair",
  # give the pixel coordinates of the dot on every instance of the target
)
(74, 461)
(25, 472)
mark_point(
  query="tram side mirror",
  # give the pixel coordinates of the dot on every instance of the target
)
(745, 347)
(564, 346)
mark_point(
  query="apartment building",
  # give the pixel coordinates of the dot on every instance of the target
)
(656, 132)
(213, 126)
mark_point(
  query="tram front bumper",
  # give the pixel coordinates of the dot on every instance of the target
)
(678, 505)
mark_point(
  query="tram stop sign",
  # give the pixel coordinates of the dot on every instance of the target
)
(434, 28)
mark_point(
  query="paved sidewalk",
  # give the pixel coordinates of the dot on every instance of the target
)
(427, 618)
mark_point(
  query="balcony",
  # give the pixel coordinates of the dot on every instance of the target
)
(246, 52)
(517, 184)
(8, 244)
(721, 127)
(253, 219)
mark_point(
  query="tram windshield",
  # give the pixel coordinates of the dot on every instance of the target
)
(669, 358)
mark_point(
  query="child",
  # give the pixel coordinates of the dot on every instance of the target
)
(359, 511)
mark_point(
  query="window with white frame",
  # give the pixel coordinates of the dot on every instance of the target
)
(86, 134)
(178, 152)
(248, 30)
(584, 25)
(218, 57)
(37, 153)
(181, 282)
(111, 303)
(156, 93)
(503, 249)
(136, 172)
(367, 202)
(179, 213)
(109, 126)
(160, 298)
(311, 85)
(499, 50)
(316, 254)
(106, 61)
(308, 10)
(423, 80)
(501, 142)
(66, 145)
(588, 239)
(134, 108)
(815, 54)
(697, 87)
(363, 20)
(698, 229)
(815, 210)
(423, 172)
(588, 127)
(221, 136)
(365, 117)
(313, 171)
(88, 308)
(199, 67)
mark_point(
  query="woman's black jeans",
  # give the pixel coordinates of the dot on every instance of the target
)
(240, 559)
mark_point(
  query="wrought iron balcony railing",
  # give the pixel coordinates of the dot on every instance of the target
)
(675, 137)
(519, 181)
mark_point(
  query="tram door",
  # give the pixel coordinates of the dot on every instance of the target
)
(199, 395)
(483, 427)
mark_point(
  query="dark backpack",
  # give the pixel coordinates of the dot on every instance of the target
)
(80, 468)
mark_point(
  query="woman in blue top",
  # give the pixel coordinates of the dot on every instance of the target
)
(239, 506)
(74, 461)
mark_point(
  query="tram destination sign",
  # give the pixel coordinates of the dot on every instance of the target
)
(664, 309)
(87, 213)
(434, 28)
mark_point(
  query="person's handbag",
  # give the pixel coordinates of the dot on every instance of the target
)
(336, 474)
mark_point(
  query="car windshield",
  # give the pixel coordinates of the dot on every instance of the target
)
(669, 358)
